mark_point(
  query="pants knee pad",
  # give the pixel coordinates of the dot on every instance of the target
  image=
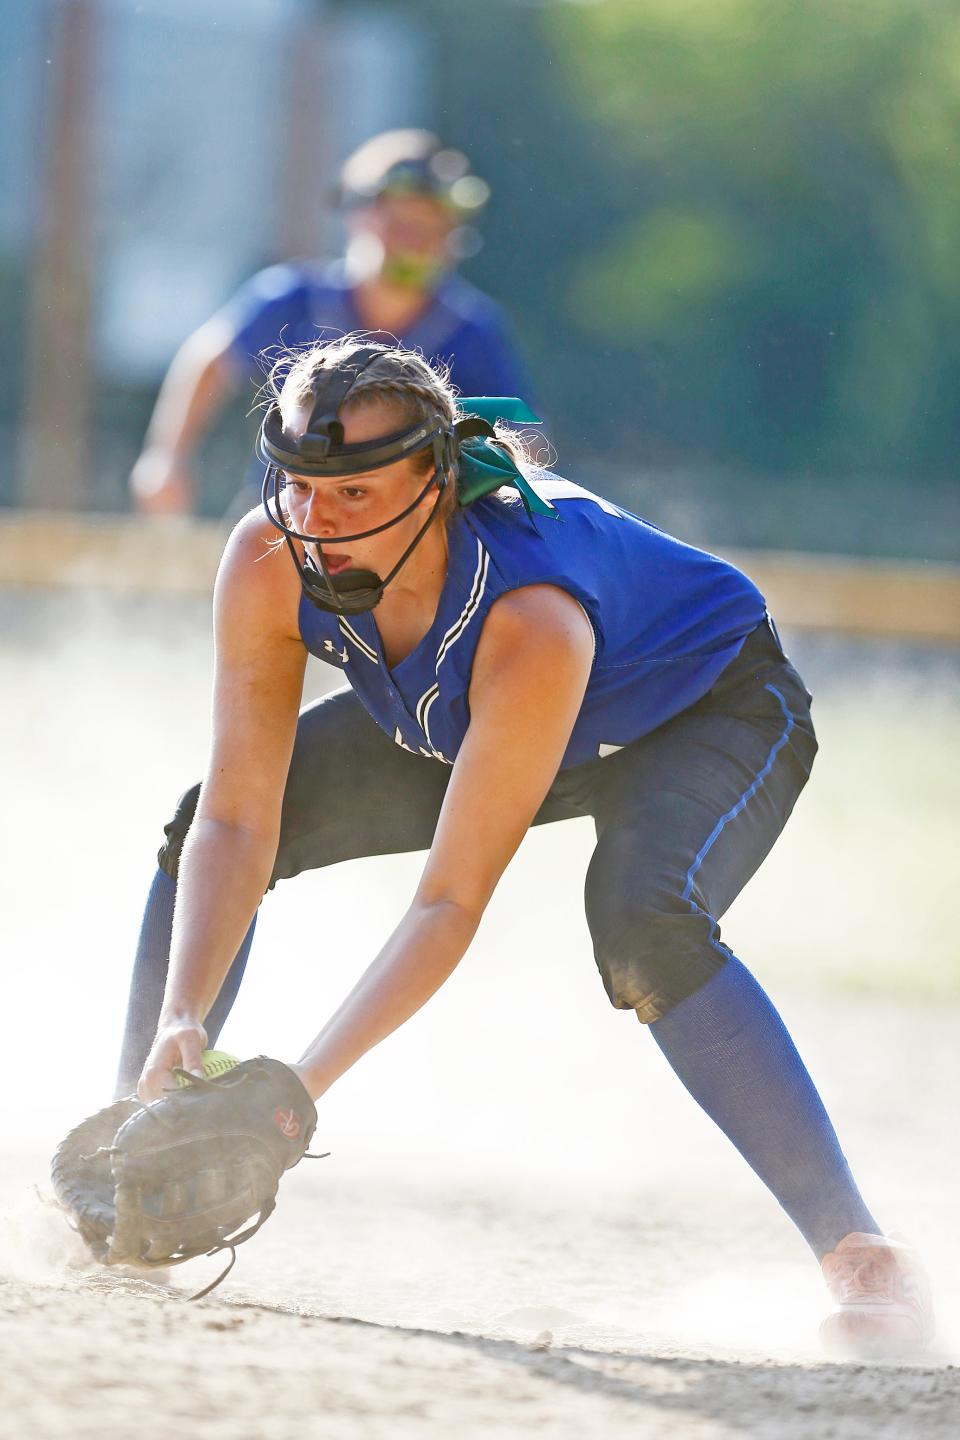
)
(650, 958)
(175, 831)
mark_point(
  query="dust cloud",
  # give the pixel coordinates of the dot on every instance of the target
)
(518, 1162)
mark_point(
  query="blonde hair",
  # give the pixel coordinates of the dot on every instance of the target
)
(402, 379)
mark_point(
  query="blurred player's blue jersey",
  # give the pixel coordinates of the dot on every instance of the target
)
(667, 620)
(299, 304)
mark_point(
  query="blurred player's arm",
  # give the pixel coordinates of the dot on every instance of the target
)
(209, 367)
(530, 674)
(201, 377)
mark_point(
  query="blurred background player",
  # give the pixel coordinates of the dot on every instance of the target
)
(408, 202)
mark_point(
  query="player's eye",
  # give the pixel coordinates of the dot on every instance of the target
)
(353, 492)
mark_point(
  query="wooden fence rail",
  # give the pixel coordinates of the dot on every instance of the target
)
(123, 554)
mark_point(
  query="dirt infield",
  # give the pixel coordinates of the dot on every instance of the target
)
(421, 1289)
(526, 1224)
(98, 1364)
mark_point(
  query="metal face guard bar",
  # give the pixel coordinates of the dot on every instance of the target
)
(357, 590)
(319, 453)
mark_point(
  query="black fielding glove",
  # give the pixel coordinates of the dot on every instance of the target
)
(155, 1185)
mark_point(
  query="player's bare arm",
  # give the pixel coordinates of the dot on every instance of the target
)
(529, 677)
(195, 388)
(226, 864)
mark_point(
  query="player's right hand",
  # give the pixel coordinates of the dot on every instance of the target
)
(177, 1042)
(160, 484)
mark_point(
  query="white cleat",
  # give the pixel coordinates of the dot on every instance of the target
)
(884, 1306)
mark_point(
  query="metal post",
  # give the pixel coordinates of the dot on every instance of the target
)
(310, 138)
(55, 469)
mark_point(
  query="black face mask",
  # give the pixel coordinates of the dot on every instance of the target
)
(321, 451)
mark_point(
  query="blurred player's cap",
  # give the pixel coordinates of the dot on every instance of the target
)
(412, 162)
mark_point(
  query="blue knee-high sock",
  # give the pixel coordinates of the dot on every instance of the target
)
(150, 977)
(733, 1053)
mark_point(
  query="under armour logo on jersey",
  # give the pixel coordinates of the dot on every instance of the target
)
(331, 649)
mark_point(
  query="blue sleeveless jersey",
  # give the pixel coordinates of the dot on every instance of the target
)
(298, 304)
(666, 618)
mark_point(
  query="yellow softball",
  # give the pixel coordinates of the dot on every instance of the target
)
(215, 1062)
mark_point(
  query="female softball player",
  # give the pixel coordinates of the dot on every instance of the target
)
(519, 651)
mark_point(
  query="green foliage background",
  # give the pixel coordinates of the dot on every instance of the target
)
(730, 233)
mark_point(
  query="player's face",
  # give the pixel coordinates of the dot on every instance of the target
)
(349, 504)
(412, 225)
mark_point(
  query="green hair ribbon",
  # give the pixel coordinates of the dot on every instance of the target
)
(484, 466)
